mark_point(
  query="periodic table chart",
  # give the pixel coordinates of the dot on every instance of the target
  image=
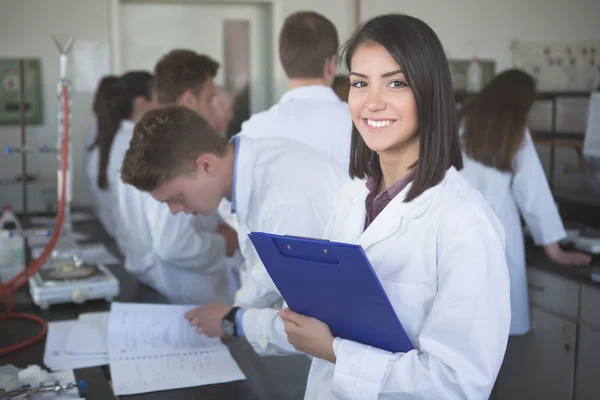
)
(560, 66)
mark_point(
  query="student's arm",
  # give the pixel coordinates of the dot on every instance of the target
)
(261, 325)
(175, 240)
(462, 340)
(534, 198)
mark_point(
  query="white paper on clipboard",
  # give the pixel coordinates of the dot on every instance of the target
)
(591, 143)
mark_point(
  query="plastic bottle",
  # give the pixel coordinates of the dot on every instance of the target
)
(12, 245)
(474, 76)
(8, 220)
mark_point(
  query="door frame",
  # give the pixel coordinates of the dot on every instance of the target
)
(279, 83)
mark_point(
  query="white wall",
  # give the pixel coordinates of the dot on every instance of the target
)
(485, 27)
(25, 29)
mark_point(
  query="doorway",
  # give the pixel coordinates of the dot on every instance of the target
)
(238, 36)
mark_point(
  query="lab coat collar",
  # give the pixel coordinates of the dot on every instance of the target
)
(390, 219)
(309, 92)
(127, 124)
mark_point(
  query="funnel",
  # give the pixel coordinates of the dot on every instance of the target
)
(63, 44)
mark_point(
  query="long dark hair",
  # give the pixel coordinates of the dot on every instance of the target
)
(111, 107)
(419, 52)
(494, 121)
(103, 95)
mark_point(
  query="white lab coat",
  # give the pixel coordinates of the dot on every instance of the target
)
(104, 200)
(166, 251)
(210, 223)
(285, 188)
(312, 115)
(526, 190)
(440, 259)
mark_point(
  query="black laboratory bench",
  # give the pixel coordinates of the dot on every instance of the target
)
(578, 211)
(536, 259)
(557, 294)
(267, 377)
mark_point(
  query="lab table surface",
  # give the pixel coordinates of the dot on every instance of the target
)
(536, 258)
(267, 377)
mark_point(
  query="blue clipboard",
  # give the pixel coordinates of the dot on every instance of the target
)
(335, 283)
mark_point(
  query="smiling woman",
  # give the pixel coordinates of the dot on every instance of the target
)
(402, 104)
(431, 238)
(383, 102)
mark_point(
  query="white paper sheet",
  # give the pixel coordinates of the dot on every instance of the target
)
(56, 356)
(152, 347)
(39, 240)
(591, 143)
(89, 335)
(97, 253)
(50, 221)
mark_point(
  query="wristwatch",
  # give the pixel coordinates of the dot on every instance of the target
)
(228, 323)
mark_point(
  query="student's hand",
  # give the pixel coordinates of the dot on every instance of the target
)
(308, 335)
(231, 239)
(570, 258)
(207, 319)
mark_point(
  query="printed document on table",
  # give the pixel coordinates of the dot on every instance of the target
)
(152, 347)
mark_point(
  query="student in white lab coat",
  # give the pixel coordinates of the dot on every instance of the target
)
(309, 112)
(167, 252)
(274, 185)
(433, 241)
(500, 160)
(117, 104)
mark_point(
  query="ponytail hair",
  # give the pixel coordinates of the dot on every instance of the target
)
(101, 99)
(111, 107)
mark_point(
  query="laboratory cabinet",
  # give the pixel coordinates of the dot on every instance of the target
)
(588, 352)
(540, 365)
(560, 357)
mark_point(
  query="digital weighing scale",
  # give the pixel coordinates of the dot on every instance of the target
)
(65, 278)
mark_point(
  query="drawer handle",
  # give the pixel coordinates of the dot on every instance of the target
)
(567, 347)
(537, 288)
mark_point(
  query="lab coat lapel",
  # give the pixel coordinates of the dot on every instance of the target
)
(384, 225)
(355, 217)
(390, 219)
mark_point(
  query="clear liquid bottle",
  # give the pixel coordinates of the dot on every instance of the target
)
(474, 76)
